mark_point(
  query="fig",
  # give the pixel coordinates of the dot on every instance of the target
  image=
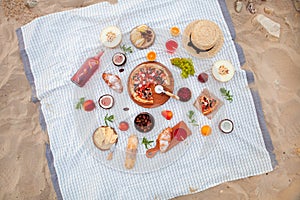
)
(106, 101)
(119, 59)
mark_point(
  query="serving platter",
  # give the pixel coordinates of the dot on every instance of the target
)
(126, 109)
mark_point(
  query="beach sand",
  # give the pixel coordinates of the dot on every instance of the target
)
(276, 66)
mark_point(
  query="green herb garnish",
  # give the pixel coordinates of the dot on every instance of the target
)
(191, 118)
(226, 94)
(185, 64)
(80, 103)
(110, 118)
(126, 49)
(146, 142)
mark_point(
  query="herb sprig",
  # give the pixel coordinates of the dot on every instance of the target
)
(226, 94)
(126, 49)
(147, 142)
(191, 118)
(80, 103)
(110, 118)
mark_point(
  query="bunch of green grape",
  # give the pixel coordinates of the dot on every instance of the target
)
(185, 64)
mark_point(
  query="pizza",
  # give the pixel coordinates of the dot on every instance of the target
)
(143, 80)
(207, 103)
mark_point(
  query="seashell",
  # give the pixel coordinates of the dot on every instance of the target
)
(268, 11)
(238, 6)
(31, 3)
(250, 7)
(272, 27)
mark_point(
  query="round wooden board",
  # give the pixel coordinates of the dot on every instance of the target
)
(159, 99)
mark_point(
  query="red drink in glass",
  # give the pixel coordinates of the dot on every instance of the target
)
(171, 46)
(88, 68)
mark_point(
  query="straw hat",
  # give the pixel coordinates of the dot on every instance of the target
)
(202, 38)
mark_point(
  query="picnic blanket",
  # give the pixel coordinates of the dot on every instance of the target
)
(53, 47)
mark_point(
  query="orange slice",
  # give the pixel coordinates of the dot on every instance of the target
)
(151, 56)
(175, 31)
(206, 130)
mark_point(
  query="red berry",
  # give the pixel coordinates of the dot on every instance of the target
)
(203, 77)
(88, 105)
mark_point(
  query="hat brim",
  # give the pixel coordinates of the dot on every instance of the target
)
(203, 54)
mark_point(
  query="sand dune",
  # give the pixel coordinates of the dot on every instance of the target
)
(276, 66)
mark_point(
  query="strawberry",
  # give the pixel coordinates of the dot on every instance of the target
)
(88, 105)
(168, 114)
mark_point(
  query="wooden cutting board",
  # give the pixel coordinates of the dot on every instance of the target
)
(174, 141)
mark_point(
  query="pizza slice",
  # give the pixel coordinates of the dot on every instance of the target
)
(144, 94)
(207, 103)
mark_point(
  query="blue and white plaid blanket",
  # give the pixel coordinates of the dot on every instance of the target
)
(53, 47)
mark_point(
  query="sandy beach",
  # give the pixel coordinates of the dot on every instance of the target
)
(274, 62)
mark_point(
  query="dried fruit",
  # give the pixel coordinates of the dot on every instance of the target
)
(206, 130)
(88, 105)
(144, 122)
(203, 77)
(167, 114)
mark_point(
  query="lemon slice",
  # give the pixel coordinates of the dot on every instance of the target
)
(111, 36)
(223, 70)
